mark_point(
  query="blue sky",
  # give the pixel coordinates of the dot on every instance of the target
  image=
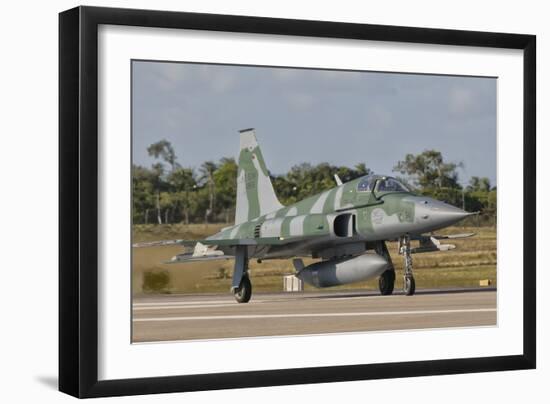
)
(314, 116)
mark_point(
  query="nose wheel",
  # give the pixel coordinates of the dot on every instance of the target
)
(409, 285)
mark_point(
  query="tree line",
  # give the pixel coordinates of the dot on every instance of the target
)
(166, 192)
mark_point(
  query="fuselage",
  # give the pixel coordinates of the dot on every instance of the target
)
(367, 209)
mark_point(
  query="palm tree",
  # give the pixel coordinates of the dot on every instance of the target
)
(163, 150)
(182, 180)
(158, 171)
(207, 177)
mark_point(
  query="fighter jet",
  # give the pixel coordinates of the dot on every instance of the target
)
(345, 227)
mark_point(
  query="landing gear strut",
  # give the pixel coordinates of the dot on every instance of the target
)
(241, 285)
(386, 281)
(408, 279)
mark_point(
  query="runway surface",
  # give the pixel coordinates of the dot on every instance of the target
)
(187, 317)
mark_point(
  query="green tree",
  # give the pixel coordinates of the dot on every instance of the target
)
(429, 170)
(168, 200)
(305, 180)
(164, 151)
(143, 193)
(479, 184)
(284, 189)
(178, 194)
(183, 183)
(158, 171)
(225, 183)
(206, 178)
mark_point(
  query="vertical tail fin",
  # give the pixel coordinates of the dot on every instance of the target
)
(255, 193)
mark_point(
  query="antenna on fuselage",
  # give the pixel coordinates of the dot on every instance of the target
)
(338, 180)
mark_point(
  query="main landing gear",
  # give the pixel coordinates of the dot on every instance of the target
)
(408, 279)
(241, 285)
(244, 291)
(386, 281)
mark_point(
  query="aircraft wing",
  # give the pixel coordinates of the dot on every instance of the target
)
(206, 249)
(256, 241)
(222, 242)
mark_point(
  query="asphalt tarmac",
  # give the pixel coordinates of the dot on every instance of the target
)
(214, 316)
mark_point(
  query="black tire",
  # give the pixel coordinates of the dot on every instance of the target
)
(386, 282)
(409, 286)
(244, 292)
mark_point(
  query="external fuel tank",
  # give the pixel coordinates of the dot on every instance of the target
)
(342, 271)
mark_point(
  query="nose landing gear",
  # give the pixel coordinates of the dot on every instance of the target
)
(409, 285)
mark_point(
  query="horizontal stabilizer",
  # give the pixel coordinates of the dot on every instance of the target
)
(188, 257)
(201, 252)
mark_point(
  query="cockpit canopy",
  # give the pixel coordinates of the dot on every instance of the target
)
(380, 184)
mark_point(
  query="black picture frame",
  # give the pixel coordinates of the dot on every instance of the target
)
(78, 196)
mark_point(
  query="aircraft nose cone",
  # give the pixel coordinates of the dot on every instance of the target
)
(436, 214)
(447, 214)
